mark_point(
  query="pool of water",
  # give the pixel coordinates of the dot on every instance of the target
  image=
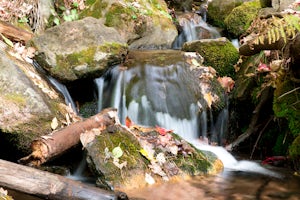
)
(228, 185)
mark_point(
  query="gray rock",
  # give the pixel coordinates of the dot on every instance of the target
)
(26, 102)
(80, 49)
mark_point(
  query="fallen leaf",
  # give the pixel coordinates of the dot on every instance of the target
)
(208, 98)
(54, 123)
(86, 138)
(147, 153)
(162, 131)
(117, 152)
(160, 158)
(149, 179)
(128, 122)
(173, 149)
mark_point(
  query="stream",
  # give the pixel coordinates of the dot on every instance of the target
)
(165, 102)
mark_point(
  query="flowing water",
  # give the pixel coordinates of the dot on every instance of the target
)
(194, 28)
(162, 95)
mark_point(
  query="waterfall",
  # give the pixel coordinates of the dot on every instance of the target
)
(152, 95)
(194, 28)
(58, 86)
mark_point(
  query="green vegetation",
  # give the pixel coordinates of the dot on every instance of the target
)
(94, 9)
(286, 105)
(219, 54)
(240, 18)
(70, 66)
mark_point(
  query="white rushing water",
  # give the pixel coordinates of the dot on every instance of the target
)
(231, 163)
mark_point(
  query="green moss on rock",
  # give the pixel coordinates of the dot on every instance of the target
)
(218, 10)
(92, 61)
(239, 20)
(106, 169)
(219, 54)
(94, 9)
(118, 14)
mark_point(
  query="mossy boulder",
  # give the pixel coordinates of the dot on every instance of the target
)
(125, 159)
(218, 10)
(27, 103)
(143, 24)
(80, 49)
(240, 18)
(217, 53)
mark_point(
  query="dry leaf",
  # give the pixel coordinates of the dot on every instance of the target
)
(86, 138)
(54, 123)
(208, 98)
(160, 158)
(149, 179)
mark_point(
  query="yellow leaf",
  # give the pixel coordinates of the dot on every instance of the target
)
(146, 154)
(54, 123)
(208, 98)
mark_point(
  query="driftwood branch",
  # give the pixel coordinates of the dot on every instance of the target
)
(252, 49)
(47, 185)
(249, 49)
(50, 146)
(14, 33)
(253, 126)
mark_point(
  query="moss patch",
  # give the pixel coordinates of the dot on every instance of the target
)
(219, 54)
(94, 9)
(218, 11)
(239, 20)
(92, 61)
(106, 169)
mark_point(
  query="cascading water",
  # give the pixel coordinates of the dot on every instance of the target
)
(59, 86)
(152, 95)
(193, 28)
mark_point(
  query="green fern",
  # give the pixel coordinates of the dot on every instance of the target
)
(278, 28)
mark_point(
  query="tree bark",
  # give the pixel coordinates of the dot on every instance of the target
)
(50, 146)
(14, 33)
(47, 185)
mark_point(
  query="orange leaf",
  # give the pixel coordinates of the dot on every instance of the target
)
(128, 122)
(162, 131)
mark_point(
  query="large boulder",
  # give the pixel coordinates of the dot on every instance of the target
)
(79, 49)
(135, 156)
(241, 17)
(143, 24)
(217, 53)
(218, 10)
(27, 103)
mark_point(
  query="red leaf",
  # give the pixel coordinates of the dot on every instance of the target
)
(128, 122)
(262, 67)
(163, 131)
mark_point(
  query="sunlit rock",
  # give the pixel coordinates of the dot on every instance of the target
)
(80, 49)
(27, 102)
(142, 24)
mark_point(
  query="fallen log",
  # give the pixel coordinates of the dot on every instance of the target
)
(14, 33)
(50, 146)
(47, 185)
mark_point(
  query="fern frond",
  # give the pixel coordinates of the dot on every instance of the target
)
(282, 33)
